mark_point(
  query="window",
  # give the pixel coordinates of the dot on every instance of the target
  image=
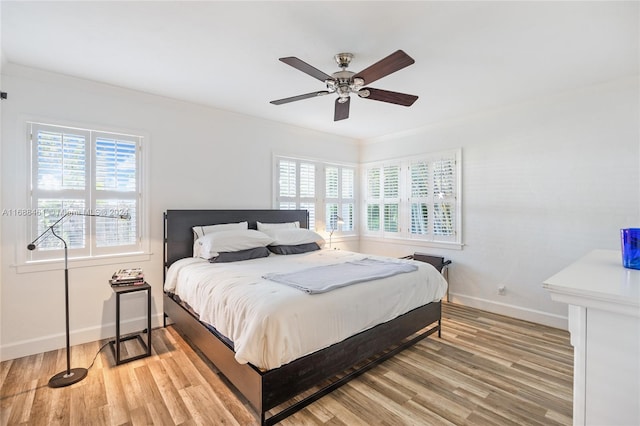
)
(339, 198)
(326, 190)
(88, 173)
(414, 198)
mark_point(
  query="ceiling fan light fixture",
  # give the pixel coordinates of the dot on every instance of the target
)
(344, 90)
(364, 93)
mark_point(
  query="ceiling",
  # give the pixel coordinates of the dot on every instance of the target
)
(469, 56)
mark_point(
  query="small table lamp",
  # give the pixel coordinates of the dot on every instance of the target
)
(335, 221)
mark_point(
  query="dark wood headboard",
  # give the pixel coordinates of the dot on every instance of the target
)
(178, 235)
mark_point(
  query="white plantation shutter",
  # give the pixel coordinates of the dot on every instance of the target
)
(331, 216)
(117, 189)
(87, 172)
(332, 186)
(419, 179)
(311, 208)
(348, 183)
(444, 177)
(419, 199)
(113, 233)
(296, 186)
(307, 180)
(391, 191)
(391, 181)
(116, 165)
(331, 182)
(61, 159)
(443, 219)
(390, 217)
(284, 205)
(287, 186)
(72, 229)
(373, 217)
(348, 198)
(373, 183)
(444, 197)
(419, 218)
(372, 200)
(348, 212)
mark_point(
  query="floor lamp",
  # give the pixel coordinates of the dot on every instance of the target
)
(70, 375)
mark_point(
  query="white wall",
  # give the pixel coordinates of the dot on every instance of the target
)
(543, 183)
(199, 157)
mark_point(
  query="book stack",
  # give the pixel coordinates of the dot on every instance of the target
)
(131, 276)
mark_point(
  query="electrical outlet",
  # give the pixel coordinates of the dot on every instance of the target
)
(502, 290)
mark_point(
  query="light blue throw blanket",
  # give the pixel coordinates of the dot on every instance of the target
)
(321, 279)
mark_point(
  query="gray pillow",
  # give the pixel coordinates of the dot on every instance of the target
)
(235, 256)
(295, 249)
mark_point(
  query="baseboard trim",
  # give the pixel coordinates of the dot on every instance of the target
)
(77, 337)
(92, 334)
(519, 312)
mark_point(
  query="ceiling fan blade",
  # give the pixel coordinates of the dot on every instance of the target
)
(392, 63)
(299, 97)
(305, 68)
(342, 110)
(387, 96)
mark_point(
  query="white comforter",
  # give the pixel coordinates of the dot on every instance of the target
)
(272, 324)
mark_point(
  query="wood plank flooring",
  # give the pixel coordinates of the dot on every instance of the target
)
(485, 370)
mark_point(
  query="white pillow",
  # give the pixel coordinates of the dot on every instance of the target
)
(293, 236)
(210, 245)
(199, 231)
(265, 226)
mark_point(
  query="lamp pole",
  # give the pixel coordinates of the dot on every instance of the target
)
(70, 376)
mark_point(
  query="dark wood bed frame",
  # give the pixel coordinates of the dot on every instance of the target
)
(266, 390)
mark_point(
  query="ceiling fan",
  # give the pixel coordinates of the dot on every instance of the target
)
(346, 82)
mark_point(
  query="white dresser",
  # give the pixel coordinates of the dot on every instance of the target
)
(604, 322)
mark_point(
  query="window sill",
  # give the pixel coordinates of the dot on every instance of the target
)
(415, 242)
(58, 264)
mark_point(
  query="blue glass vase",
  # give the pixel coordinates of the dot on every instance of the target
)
(630, 239)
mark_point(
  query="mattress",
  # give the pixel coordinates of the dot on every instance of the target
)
(271, 324)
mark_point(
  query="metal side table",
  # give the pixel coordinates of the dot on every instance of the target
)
(115, 344)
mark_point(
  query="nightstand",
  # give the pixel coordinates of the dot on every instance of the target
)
(115, 344)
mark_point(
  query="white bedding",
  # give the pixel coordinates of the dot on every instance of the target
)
(272, 324)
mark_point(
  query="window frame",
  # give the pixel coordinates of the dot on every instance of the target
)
(297, 200)
(406, 199)
(91, 252)
(320, 200)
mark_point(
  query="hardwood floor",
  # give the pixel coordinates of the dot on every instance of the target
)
(485, 370)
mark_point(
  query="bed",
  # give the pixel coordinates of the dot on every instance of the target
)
(269, 383)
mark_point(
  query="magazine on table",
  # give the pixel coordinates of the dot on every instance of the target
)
(129, 276)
